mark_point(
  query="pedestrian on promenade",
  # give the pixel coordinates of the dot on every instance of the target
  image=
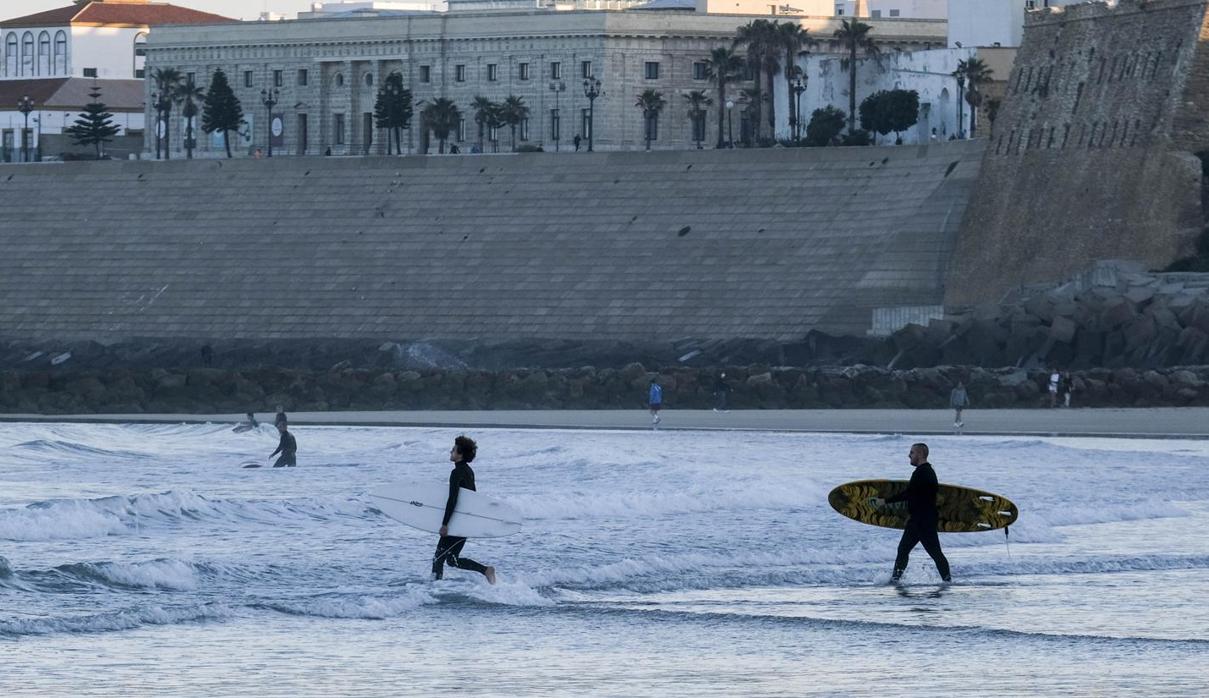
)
(1054, 379)
(1068, 387)
(577, 140)
(281, 418)
(721, 390)
(959, 399)
(655, 401)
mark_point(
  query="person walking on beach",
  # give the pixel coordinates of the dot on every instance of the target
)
(1068, 387)
(576, 141)
(655, 401)
(287, 447)
(1054, 379)
(922, 518)
(958, 400)
(721, 389)
(449, 548)
(280, 418)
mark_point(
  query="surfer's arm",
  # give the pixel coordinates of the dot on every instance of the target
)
(905, 494)
(280, 445)
(452, 502)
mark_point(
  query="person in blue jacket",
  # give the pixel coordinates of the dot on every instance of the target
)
(655, 400)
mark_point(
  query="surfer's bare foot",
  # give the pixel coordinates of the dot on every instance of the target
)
(490, 574)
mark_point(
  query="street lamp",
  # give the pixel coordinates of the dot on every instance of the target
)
(591, 91)
(556, 87)
(798, 86)
(25, 106)
(269, 99)
(961, 87)
(730, 123)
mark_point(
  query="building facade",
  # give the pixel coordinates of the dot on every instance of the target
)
(324, 75)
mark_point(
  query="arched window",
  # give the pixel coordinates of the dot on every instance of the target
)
(60, 52)
(11, 56)
(44, 53)
(140, 54)
(27, 54)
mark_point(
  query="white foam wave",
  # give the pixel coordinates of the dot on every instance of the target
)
(577, 504)
(357, 606)
(109, 622)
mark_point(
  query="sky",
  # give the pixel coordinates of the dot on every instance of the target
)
(240, 9)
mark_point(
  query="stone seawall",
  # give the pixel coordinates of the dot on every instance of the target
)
(753, 387)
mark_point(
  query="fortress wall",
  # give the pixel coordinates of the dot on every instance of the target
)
(1092, 154)
(642, 246)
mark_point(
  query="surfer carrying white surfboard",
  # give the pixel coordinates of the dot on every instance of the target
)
(449, 548)
(920, 497)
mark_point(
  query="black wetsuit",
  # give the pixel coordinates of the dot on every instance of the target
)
(287, 447)
(449, 548)
(920, 497)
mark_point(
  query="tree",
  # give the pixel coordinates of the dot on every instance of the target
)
(512, 112)
(189, 95)
(752, 97)
(166, 81)
(651, 102)
(221, 110)
(889, 111)
(484, 109)
(793, 39)
(855, 37)
(722, 66)
(763, 41)
(95, 125)
(697, 102)
(971, 75)
(441, 116)
(825, 126)
(393, 110)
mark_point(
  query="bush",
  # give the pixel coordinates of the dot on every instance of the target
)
(890, 111)
(858, 137)
(527, 148)
(825, 126)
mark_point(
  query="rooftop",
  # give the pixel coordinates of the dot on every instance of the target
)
(129, 13)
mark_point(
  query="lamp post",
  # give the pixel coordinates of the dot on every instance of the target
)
(269, 99)
(557, 86)
(961, 87)
(25, 105)
(798, 86)
(591, 91)
(730, 123)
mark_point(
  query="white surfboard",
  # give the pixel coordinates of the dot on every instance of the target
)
(422, 506)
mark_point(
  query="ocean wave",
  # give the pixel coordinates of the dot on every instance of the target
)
(112, 621)
(577, 504)
(75, 448)
(116, 515)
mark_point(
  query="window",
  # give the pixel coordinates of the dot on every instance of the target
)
(839, 12)
(524, 129)
(369, 79)
(461, 133)
(522, 71)
(278, 79)
(44, 53)
(90, 72)
(875, 14)
(493, 72)
(700, 70)
(10, 55)
(556, 71)
(27, 54)
(652, 127)
(699, 126)
(555, 126)
(459, 73)
(493, 133)
(303, 77)
(140, 73)
(338, 130)
(425, 73)
(895, 13)
(585, 69)
(651, 70)
(339, 79)
(247, 78)
(585, 123)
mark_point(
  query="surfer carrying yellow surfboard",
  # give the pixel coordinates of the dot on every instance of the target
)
(920, 497)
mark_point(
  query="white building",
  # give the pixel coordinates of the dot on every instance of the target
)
(372, 8)
(55, 58)
(905, 9)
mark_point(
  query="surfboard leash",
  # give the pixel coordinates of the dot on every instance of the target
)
(1007, 542)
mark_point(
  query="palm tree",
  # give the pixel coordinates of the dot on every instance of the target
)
(762, 39)
(723, 65)
(697, 102)
(971, 75)
(855, 37)
(651, 103)
(166, 81)
(442, 116)
(189, 95)
(752, 96)
(512, 112)
(793, 40)
(483, 109)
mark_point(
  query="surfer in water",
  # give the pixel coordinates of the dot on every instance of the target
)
(287, 447)
(920, 497)
(449, 548)
(248, 425)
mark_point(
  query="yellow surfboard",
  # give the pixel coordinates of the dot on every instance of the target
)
(961, 509)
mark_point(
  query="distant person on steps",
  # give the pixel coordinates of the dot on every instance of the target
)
(449, 548)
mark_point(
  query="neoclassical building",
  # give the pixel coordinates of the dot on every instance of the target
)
(323, 74)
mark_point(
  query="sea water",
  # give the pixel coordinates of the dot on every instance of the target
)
(143, 560)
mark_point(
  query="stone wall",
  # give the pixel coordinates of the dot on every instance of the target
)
(1092, 152)
(642, 247)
